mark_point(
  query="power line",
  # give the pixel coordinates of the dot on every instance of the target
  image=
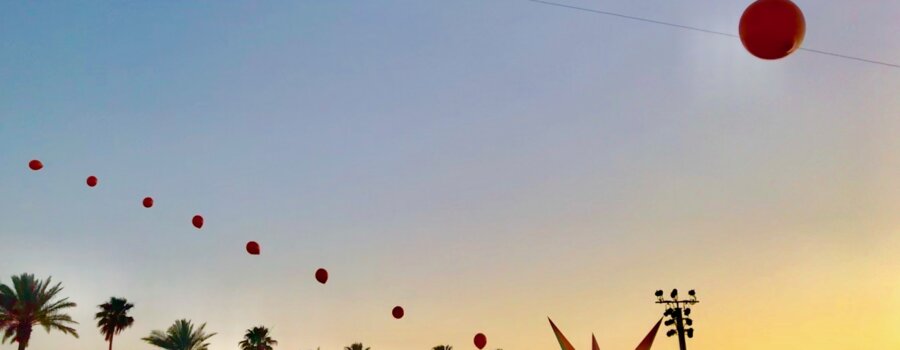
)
(698, 29)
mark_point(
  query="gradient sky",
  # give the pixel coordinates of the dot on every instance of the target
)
(484, 163)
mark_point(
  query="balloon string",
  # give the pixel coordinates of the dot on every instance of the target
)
(607, 13)
(860, 59)
(697, 29)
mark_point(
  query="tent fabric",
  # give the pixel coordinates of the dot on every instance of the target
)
(648, 340)
(564, 343)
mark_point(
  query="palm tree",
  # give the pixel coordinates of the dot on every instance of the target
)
(357, 346)
(113, 318)
(442, 347)
(257, 338)
(181, 336)
(31, 302)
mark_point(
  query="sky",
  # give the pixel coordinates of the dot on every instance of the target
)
(483, 163)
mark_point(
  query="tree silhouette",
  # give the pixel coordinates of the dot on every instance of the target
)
(181, 336)
(257, 338)
(32, 302)
(113, 318)
(442, 347)
(357, 346)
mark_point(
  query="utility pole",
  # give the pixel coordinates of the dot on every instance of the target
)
(678, 312)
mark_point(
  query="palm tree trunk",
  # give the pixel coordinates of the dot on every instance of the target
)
(110, 341)
(23, 334)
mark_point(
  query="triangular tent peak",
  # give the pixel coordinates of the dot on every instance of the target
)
(564, 343)
(648, 340)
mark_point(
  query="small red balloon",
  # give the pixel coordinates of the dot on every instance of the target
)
(253, 248)
(398, 312)
(92, 181)
(197, 221)
(322, 276)
(772, 29)
(148, 202)
(480, 341)
(35, 165)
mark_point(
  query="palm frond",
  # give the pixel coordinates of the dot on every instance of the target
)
(181, 336)
(29, 302)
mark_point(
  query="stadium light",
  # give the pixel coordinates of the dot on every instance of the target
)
(677, 312)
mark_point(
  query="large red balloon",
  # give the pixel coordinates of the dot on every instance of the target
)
(92, 181)
(398, 312)
(148, 202)
(772, 29)
(480, 341)
(35, 165)
(197, 221)
(253, 248)
(322, 276)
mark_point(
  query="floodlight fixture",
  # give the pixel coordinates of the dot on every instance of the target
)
(676, 315)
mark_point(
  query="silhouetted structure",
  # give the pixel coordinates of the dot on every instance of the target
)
(564, 343)
(677, 311)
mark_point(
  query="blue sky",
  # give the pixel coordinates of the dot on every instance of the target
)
(483, 163)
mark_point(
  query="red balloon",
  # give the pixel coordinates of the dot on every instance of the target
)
(253, 248)
(772, 29)
(397, 312)
(322, 276)
(480, 341)
(35, 165)
(148, 202)
(197, 221)
(92, 181)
